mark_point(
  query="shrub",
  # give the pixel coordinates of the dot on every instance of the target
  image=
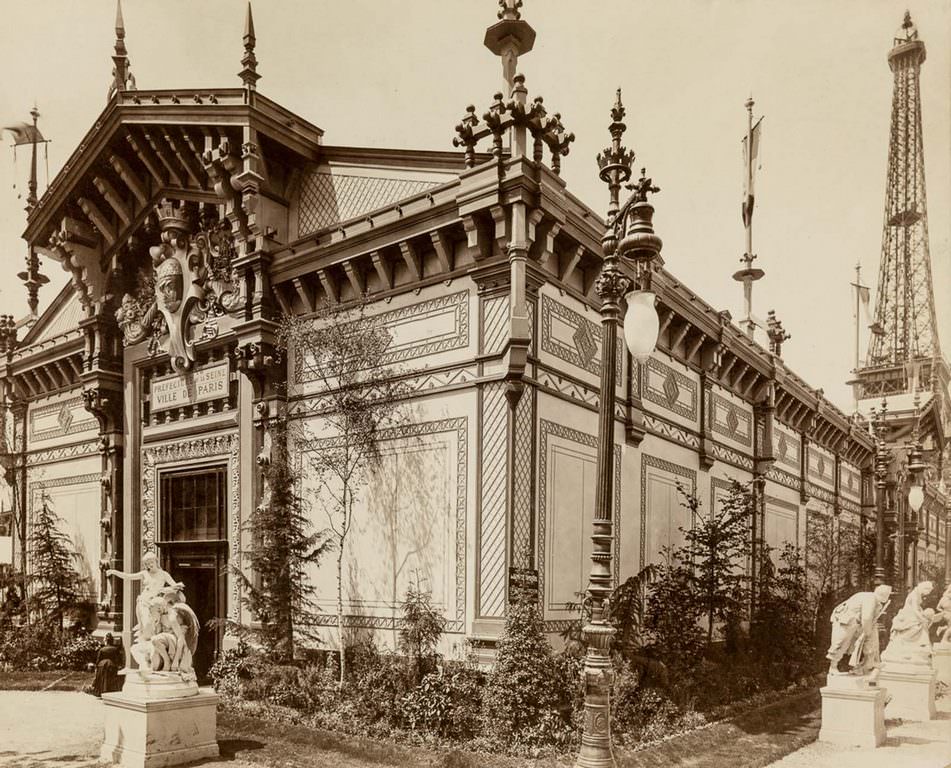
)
(378, 683)
(276, 684)
(781, 637)
(236, 666)
(522, 705)
(29, 647)
(446, 703)
(671, 621)
(76, 653)
(421, 627)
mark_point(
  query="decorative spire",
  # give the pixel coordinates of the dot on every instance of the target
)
(33, 279)
(776, 333)
(614, 162)
(249, 75)
(122, 79)
(508, 39)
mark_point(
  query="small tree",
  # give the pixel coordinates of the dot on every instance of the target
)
(626, 609)
(345, 354)
(521, 695)
(281, 597)
(781, 633)
(672, 615)
(716, 547)
(54, 583)
(837, 556)
(421, 627)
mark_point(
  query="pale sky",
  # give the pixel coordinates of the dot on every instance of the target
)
(399, 73)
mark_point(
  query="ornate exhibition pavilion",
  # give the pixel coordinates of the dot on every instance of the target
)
(187, 222)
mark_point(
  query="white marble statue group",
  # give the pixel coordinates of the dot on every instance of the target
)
(166, 635)
(854, 631)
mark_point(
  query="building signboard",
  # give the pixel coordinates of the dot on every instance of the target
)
(197, 386)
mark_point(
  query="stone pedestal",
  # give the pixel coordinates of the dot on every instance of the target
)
(157, 722)
(853, 714)
(942, 662)
(912, 690)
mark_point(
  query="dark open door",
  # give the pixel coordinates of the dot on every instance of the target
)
(194, 549)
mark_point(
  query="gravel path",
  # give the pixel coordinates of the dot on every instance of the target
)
(43, 727)
(909, 744)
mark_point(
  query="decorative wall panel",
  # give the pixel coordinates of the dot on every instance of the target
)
(66, 417)
(660, 501)
(670, 431)
(524, 466)
(786, 448)
(567, 508)
(54, 455)
(850, 481)
(669, 388)
(408, 525)
(782, 524)
(418, 330)
(75, 501)
(573, 338)
(495, 324)
(493, 562)
(731, 456)
(731, 420)
(821, 466)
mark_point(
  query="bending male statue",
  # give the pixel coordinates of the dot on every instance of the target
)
(854, 632)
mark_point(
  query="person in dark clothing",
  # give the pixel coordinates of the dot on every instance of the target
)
(108, 662)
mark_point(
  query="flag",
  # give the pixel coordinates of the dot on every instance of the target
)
(750, 165)
(24, 133)
(864, 299)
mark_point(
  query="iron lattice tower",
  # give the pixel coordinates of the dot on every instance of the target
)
(905, 336)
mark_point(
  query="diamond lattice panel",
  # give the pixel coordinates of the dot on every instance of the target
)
(326, 199)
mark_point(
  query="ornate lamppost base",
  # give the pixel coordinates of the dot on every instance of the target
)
(596, 751)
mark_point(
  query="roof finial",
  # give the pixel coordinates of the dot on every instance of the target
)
(249, 75)
(508, 39)
(122, 79)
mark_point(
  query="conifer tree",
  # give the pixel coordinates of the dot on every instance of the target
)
(54, 583)
(281, 597)
(716, 548)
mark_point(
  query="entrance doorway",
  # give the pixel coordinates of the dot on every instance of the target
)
(194, 548)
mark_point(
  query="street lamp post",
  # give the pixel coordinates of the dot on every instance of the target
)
(881, 479)
(916, 490)
(629, 237)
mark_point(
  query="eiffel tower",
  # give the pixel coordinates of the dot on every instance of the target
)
(903, 383)
(904, 340)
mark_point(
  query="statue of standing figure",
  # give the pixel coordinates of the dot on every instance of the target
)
(855, 633)
(167, 633)
(154, 579)
(910, 639)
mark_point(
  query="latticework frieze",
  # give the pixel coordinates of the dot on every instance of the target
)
(328, 199)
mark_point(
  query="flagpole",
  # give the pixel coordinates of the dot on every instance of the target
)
(31, 199)
(749, 185)
(858, 311)
(748, 275)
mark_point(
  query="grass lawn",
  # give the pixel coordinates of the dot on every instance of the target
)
(751, 740)
(56, 680)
